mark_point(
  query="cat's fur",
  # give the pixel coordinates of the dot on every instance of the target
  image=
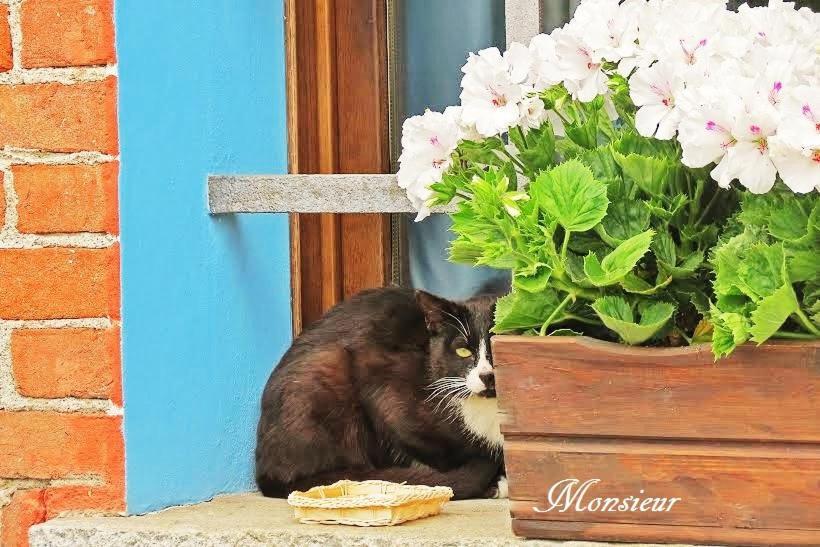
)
(376, 390)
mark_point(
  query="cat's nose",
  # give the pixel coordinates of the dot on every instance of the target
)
(488, 379)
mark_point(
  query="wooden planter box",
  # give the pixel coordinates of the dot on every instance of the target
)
(737, 441)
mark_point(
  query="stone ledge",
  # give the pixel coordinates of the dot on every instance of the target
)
(307, 194)
(251, 520)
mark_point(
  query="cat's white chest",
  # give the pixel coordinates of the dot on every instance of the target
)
(480, 416)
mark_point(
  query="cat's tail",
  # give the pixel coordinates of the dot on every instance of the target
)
(475, 479)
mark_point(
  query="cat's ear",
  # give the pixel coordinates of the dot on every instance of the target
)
(437, 311)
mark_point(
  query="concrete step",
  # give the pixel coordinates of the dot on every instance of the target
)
(252, 520)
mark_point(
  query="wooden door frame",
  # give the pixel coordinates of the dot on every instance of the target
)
(338, 122)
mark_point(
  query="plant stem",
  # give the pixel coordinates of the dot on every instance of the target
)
(683, 335)
(563, 118)
(807, 324)
(564, 245)
(582, 319)
(708, 207)
(586, 294)
(794, 335)
(513, 159)
(523, 136)
(556, 311)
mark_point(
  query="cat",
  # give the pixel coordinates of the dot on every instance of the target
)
(393, 384)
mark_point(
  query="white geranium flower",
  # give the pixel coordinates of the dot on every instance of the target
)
(545, 72)
(580, 66)
(705, 137)
(795, 149)
(736, 135)
(609, 28)
(491, 89)
(519, 60)
(653, 90)
(687, 34)
(466, 132)
(740, 90)
(428, 142)
(533, 113)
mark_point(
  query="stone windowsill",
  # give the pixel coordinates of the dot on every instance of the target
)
(250, 520)
(307, 194)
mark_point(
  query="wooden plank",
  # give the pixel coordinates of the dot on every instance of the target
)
(703, 535)
(365, 244)
(336, 88)
(747, 486)
(579, 386)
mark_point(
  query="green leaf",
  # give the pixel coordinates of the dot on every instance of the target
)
(568, 149)
(772, 312)
(584, 242)
(575, 268)
(653, 175)
(483, 152)
(804, 265)
(666, 209)
(787, 216)
(570, 194)
(537, 149)
(727, 259)
(534, 283)
(625, 219)
(762, 270)
(703, 332)
(510, 179)
(465, 251)
(811, 301)
(633, 143)
(730, 330)
(619, 262)
(664, 248)
(521, 310)
(667, 256)
(584, 133)
(634, 284)
(601, 162)
(617, 315)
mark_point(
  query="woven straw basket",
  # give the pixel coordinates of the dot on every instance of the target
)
(368, 503)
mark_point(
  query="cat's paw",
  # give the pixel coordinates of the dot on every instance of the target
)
(501, 489)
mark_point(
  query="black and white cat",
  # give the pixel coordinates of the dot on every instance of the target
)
(393, 384)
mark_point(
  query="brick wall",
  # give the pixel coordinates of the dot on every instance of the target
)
(61, 445)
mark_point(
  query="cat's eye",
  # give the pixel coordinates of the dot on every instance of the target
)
(463, 352)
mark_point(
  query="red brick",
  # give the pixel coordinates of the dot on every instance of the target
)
(5, 39)
(52, 445)
(66, 198)
(2, 202)
(60, 118)
(52, 363)
(30, 507)
(26, 509)
(67, 33)
(56, 283)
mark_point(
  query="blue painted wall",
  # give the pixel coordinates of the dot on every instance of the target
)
(206, 300)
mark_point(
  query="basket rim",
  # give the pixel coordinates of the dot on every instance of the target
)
(404, 494)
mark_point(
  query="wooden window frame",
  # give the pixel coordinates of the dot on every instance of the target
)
(338, 122)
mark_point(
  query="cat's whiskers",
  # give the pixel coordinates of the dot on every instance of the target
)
(443, 389)
(465, 328)
(454, 405)
(449, 390)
